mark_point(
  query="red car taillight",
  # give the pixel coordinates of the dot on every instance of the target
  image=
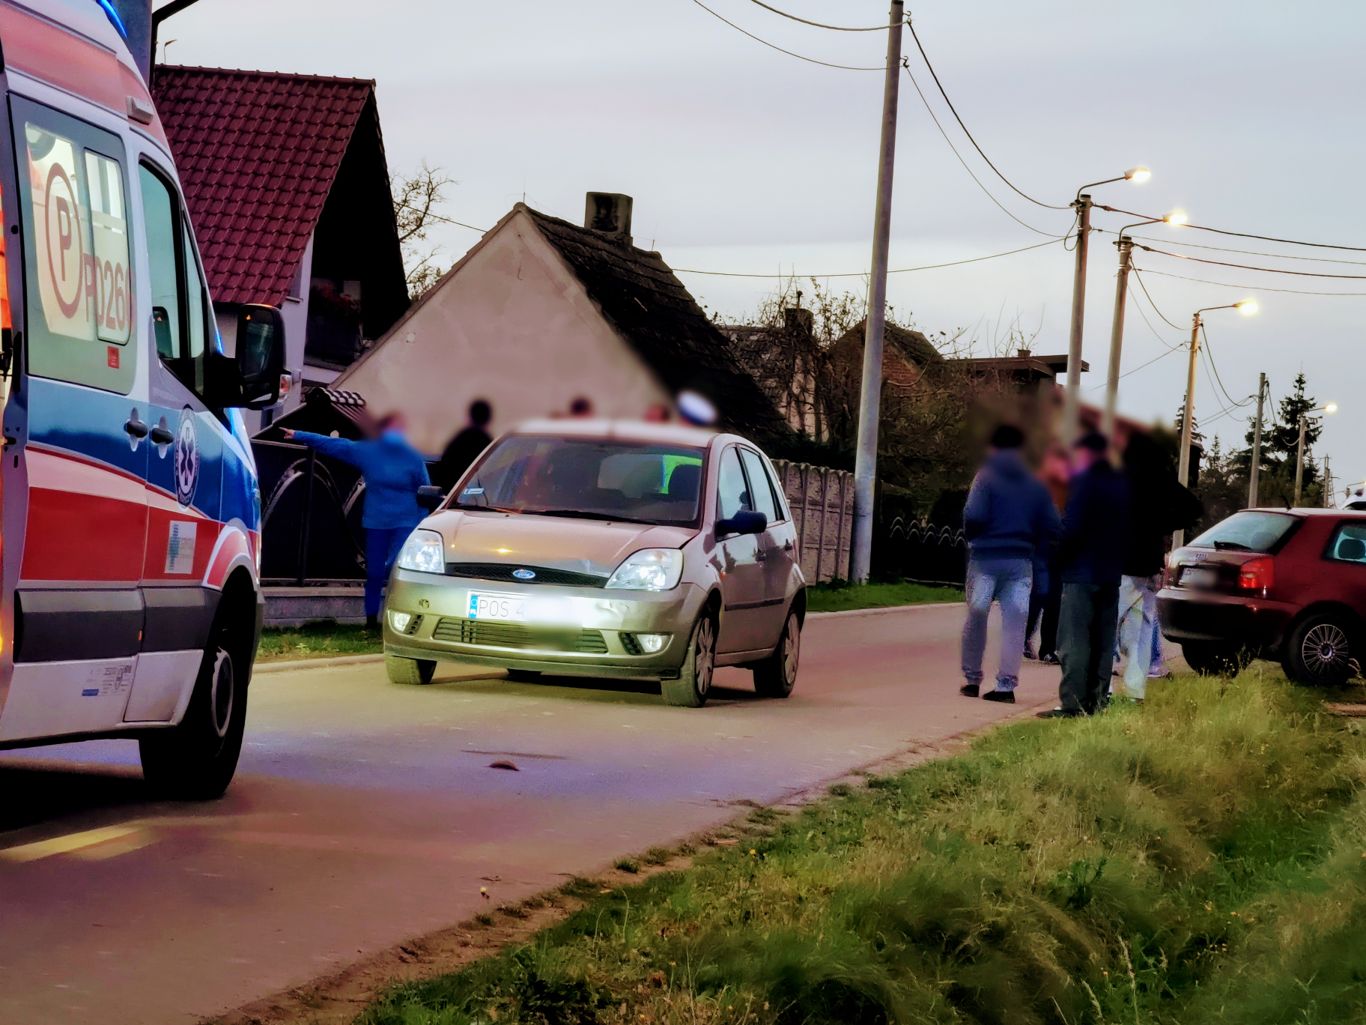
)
(1257, 575)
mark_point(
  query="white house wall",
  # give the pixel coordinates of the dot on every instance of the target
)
(511, 324)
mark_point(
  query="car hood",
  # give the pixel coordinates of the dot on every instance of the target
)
(593, 547)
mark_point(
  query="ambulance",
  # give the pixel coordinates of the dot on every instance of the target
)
(130, 604)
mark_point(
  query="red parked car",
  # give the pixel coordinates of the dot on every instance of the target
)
(1287, 585)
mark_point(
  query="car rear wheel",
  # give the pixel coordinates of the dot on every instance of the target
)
(196, 759)
(409, 671)
(1215, 658)
(776, 675)
(1323, 650)
(693, 685)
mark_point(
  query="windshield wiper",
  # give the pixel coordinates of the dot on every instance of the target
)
(583, 514)
(479, 508)
(1231, 546)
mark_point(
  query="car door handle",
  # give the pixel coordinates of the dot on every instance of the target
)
(787, 545)
(161, 436)
(761, 555)
(135, 428)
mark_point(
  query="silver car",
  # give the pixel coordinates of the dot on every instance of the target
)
(605, 549)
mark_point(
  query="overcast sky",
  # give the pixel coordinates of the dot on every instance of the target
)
(743, 159)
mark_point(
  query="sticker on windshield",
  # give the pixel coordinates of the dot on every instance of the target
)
(473, 491)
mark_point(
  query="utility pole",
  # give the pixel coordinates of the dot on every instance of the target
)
(1126, 259)
(1299, 460)
(1071, 409)
(1327, 483)
(1255, 470)
(870, 402)
(1183, 467)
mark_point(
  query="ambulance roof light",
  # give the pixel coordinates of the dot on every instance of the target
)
(114, 19)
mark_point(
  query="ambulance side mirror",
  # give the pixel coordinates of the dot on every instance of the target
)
(261, 357)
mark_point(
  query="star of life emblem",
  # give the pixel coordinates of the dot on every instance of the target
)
(186, 459)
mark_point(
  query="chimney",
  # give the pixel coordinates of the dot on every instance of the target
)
(609, 213)
(1022, 353)
(798, 321)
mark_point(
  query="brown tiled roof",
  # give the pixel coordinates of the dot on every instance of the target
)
(257, 153)
(905, 352)
(649, 307)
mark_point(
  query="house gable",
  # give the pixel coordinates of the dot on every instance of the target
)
(510, 323)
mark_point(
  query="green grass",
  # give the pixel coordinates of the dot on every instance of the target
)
(316, 640)
(840, 596)
(1199, 860)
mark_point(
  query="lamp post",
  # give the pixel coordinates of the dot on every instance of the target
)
(1126, 262)
(1247, 307)
(1328, 409)
(1071, 408)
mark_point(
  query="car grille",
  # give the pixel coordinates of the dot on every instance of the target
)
(515, 635)
(504, 571)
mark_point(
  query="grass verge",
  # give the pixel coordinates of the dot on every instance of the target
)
(842, 597)
(1201, 860)
(316, 640)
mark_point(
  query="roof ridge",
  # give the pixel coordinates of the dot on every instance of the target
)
(297, 76)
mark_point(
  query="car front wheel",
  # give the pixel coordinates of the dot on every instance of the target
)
(693, 685)
(1323, 651)
(776, 675)
(409, 671)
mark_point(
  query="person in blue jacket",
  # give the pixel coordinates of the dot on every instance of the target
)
(1009, 522)
(393, 471)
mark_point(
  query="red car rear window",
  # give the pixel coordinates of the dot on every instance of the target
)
(1248, 531)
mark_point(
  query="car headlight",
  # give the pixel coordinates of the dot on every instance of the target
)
(424, 551)
(653, 569)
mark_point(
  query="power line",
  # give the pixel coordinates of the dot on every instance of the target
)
(1253, 267)
(862, 274)
(1141, 366)
(1242, 252)
(1209, 358)
(445, 220)
(1148, 295)
(982, 153)
(775, 46)
(1260, 288)
(1239, 234)
(1156, 334)
(985, 191)
(818, 24)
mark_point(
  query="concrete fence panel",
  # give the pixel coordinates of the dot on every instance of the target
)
(822, 504)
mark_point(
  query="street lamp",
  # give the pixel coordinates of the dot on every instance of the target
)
(1126, 262)
(1327, 409)
(1247, 307)
(1082, 204)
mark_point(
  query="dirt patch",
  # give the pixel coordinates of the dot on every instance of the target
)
(337, 998)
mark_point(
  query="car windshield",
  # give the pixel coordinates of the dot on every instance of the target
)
(1247, 531)
(588, 478)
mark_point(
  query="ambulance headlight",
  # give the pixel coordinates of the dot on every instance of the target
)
(424, 552)
(653, 569)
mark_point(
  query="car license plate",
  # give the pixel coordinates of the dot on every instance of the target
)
(507, 608)
(1200, 576)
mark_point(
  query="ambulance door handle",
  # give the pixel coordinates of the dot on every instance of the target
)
(135, 428)
(161, 436)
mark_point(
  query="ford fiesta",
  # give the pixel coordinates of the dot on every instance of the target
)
(610, 550)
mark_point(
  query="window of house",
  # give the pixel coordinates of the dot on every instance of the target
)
(79, 293)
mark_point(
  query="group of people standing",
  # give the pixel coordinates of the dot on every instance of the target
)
(1075, 551)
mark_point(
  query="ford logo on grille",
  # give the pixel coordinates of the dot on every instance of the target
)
(524, 574)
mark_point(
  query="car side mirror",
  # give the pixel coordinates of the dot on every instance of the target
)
(261, 357)
(746, 521)
(430, 497)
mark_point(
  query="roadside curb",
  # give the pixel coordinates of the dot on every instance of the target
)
(885, 609)
(285, 665)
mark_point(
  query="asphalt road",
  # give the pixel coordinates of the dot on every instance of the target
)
(364, 814)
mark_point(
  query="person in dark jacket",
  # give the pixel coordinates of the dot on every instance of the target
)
(1158, 505)
(467, 445)
(393, 471)
(1007, 520)
(1091, 552)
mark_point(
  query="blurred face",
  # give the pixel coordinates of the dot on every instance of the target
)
(1083, 459)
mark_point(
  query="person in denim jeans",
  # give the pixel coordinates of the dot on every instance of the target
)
(1009, 519)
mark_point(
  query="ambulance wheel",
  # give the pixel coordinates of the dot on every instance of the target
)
(195, 760)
